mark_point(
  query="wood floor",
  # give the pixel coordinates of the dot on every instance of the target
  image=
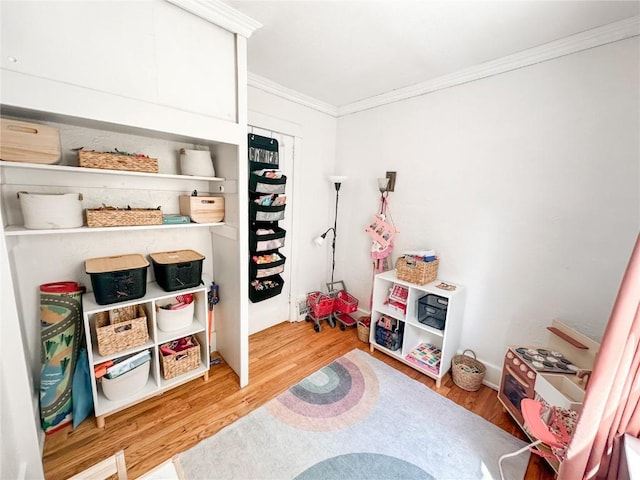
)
(281, 356)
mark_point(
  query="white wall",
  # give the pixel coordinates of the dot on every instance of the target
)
(526, 183)
(313, 195)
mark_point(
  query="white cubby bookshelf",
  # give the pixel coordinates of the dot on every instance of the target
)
(416, 333)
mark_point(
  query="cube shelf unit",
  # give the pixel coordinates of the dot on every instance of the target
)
(416, 333)
(156, 384)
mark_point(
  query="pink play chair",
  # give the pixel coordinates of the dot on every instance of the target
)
(546, 424)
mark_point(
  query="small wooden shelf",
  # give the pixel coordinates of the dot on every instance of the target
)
(567, 338)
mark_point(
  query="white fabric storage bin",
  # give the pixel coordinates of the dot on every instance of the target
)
(196, 163)
(170, 320)
(127, 384)
(51, 210)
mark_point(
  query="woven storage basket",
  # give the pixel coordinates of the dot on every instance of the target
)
(416, 271)
(364, 328)
(117, 161)
(180, 362)
(116, 337)
(119, 217)
(467, 372)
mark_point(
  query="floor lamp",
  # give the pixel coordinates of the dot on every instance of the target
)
(337, 182)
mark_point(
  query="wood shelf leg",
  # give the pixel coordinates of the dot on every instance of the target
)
(205, 377)
(438, 382)
(100, 421)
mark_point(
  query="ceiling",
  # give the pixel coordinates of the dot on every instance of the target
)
(345, 51)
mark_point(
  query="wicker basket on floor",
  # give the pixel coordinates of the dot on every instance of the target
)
(364, 328)
(467, 372)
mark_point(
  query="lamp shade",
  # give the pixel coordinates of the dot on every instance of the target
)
(319, 240)
(337, 178)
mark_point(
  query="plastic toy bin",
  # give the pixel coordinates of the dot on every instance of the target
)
(127, 384)
(177, 270)
(117, 279)
(171, 320)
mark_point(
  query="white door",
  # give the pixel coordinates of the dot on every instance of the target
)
(275, 310)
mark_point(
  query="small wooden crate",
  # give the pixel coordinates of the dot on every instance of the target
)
(116, 337)
(180, 362)
(117, 161)
(416, 271)
(120, 217)
(202, 209)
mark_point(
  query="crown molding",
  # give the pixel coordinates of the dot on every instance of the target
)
(288, 94)
(612, 32)
(218, 12)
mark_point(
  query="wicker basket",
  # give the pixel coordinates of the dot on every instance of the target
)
(467, 372)
(117, 161)
(364, 328)
(116, 337)
(119, 217)
(416, 271)
(180, 362)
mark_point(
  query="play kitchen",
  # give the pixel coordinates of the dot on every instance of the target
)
(557, 372)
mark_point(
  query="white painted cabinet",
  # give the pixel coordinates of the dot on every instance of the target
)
(407, 331)
(147, 50)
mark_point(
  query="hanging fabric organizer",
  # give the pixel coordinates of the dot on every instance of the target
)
(267, 204)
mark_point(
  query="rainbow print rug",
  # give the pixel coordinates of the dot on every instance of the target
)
(356, 418)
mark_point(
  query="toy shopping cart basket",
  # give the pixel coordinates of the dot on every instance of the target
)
(343, 304)
(320, 308)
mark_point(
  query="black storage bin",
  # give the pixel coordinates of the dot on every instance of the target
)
(432, 311)
(264, 288)
(264, 270)
(267, 241)
(389, 332)
(117, 279)
(262, 184)
(262, 213)
(177, 270)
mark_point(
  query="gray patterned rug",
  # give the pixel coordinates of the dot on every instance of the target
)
(356, 418)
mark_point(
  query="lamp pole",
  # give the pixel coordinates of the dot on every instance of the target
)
(335, 233)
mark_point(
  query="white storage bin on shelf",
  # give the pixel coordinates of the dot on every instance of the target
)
(171, 320)
(51, 210)
(127, 384)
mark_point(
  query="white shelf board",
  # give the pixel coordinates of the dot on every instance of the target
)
(105, 406)
(191, 329)
(103, 171)
(16, 230)
(153, 292)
